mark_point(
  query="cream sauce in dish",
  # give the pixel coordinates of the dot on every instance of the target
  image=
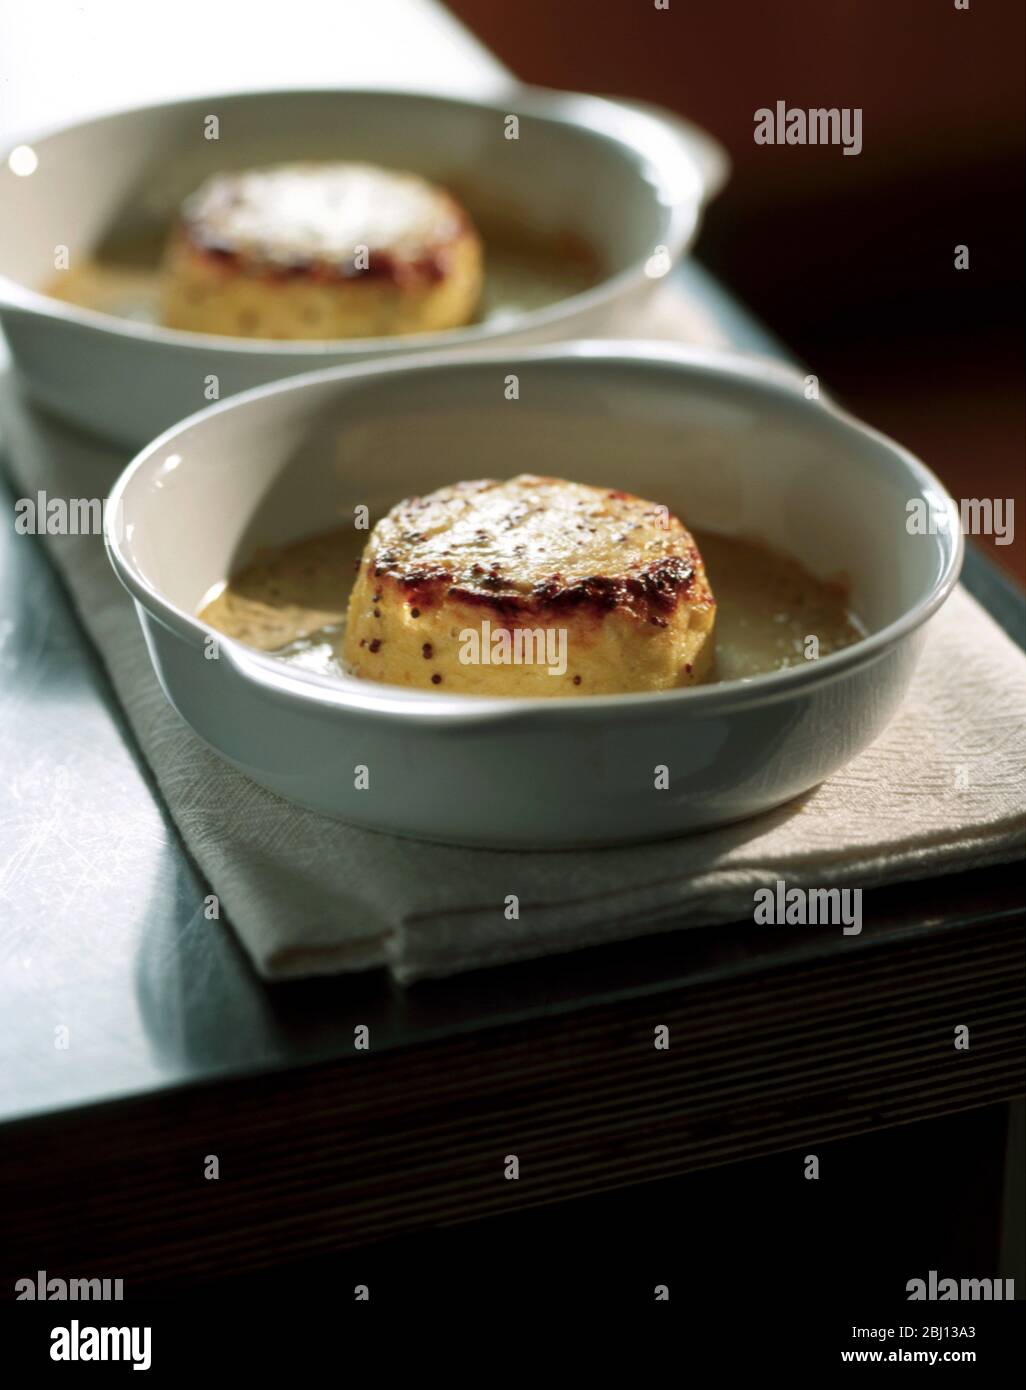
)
(518, 278)
(290, 601)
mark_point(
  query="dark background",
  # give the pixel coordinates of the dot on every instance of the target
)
(850, 260)
(887, 1207)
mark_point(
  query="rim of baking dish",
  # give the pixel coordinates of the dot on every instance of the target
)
(287, 683)
(664, 157)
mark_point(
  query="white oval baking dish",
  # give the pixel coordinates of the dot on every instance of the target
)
(624, 181)
(731, 444)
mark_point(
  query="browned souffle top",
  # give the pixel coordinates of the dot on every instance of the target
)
(535, 545)
(326, 221)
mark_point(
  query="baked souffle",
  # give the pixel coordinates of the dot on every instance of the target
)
(531, 587)
(321, 250)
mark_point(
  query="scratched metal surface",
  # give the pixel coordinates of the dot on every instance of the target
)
(99, 930)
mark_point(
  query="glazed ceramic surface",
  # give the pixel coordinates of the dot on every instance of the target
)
(628, 184)
(731, 444)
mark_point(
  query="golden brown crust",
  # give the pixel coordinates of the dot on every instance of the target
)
(464, 589)
(321, 251)
(534, 547)
(333, 221)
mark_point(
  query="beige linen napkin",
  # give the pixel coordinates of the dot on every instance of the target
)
(942, 790)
